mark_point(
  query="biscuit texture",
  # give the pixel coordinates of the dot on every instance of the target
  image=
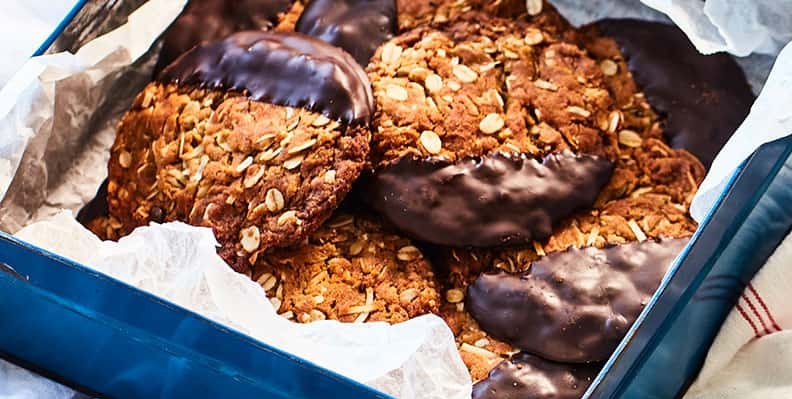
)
(261, 175)
(704, 98)
(258, 136)
(483, 84)
(647, 197)
(415, 13)
(352, 270)
(458, 99)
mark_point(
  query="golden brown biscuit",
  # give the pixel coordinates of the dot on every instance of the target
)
(245, 155)
(352, 270)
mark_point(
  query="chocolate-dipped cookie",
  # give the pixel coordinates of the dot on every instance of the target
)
(575, 305)
(526, 376)
(353, 270)
(488, 132)
(208, 20)
(701, 99)
(258, 136)
(646, 198)
(646, 215)
(357, 26)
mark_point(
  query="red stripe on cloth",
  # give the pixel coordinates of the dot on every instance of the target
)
(756, 312)
(764, 306)
(748, 319)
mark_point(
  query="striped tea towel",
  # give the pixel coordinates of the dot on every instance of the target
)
(752, 355)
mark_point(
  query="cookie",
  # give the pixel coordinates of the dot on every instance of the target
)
(258, 136)
(416, 13)
(702, 98)
(479, 351)
(288, 22)
(646, 215)
(469, 111)
(208, 20)
(353, 270)
(655, 205)
(527, 376)
(572, 306)
(627, 220)
(357, 26)
(647, 198)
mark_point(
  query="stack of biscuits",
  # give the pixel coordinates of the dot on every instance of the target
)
(375, 160)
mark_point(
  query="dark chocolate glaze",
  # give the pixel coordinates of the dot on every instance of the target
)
(289, 69)
(703, 98)
(95, 208)
(494, 200)
(526, 376)
(357, 26)
(208, 20)
(572, 306)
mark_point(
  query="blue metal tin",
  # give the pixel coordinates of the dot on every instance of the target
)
(107, 338)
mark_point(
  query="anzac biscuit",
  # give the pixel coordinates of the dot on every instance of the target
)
(572, 306)
(416, 13)
(647, 216)
(471, 113)
(352, 270)
(258, 136)
(702, 99)
(646, 198)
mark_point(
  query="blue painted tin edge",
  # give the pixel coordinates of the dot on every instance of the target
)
(615, 385)
(58, 261)
(60, 28)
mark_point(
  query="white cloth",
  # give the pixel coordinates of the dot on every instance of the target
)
(752, 354)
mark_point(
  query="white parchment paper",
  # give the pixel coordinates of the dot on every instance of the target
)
(740, 27)
(770, 119)
(57, 119)
(178, 262)
(24, 25)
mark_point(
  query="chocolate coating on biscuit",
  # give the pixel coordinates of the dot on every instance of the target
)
(487, 201)
(288, 69)
(528, 376)
(208, 20)
(575, 305)
(96, 207)
(357, 26)
(704, 98)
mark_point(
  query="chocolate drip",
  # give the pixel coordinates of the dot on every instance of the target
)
(526, 376)
(703, 98)
(95, 208)
(288, 69)
(208, 20)
(357, 26)
(572, 306)
(487, 201)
